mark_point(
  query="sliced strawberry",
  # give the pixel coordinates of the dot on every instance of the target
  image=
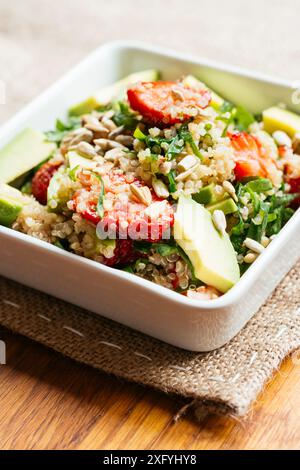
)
(41, 180)
(251, 158)
(166, 103)
(127, 218)
(124, 254)
(295, 188)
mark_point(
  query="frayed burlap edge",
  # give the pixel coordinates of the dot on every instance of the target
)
(226, 381)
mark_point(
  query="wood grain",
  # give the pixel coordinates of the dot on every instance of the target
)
(50, 402)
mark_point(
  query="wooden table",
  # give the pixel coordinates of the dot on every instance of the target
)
(50, 402)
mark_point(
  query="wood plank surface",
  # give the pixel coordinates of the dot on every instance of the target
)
(50, 402)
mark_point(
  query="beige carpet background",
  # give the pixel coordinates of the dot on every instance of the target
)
(41, 39)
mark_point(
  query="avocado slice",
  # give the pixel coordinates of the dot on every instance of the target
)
(275, 119)
(11, 204)
(228, 206)
(207, 195)
(211, 254)
(114, 92)
(57, 194)
(75, 159)
(27, 150)
(216, 100)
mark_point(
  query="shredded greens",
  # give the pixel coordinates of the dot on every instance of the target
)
(100, 208)
(175, 145)
(172, 182)
(239, 116)
(125, 117)
(63, 128)
(268, 212)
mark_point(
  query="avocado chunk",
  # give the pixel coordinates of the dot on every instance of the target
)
(216, 100)
(228, 206)
(208, 195)
(114, 92)
(27, 150)
(211, 253)
(275, 119)
(75, 160)
(58, 193)
(11, 204)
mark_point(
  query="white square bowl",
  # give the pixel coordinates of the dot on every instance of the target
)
(120, 296)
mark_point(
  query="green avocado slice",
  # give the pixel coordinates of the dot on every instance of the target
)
(228, 206)
(11, 204)
(112, 93)
(27, 150)
(207, 195)
(211, 253)
(276, 118)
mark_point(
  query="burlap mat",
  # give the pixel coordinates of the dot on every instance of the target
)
(225, 381)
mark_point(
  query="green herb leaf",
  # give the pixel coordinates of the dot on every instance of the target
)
(164, 249)
(138, 134)
(128, 269)
(187, 137)
(242, 118)
(63, 128)
(172, 182)
(100, 208)
(125, 117)
(73, 172)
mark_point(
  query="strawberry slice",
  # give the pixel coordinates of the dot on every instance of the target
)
(124, 254)
(41, 180)
(167, 103)
(251, 158)
(127, 218)
(295, 189)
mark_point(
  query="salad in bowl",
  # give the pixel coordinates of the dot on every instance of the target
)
(163, 179)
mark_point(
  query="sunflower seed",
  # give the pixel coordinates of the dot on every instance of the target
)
(177, 94)
(114, 154)
(85, 149)
(116, 132)
(229, 188)
(79, 135)
(109, 124)
(187, 162)
(265, 241)
(250, 257)
(185, 174)
(143, 193)
(94, 125)
(160, 188)
(126, 140)
(219, 220)
(106, 144)
(108, 114)
(165, 168)
(253, 245)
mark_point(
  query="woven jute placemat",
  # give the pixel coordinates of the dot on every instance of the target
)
(225, 381)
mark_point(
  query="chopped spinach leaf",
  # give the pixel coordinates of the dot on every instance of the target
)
(63, 128)
(125, 117)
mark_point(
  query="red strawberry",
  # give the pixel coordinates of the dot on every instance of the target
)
(166, 102)
(131, 214)
(41, 180)
(124, 254)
